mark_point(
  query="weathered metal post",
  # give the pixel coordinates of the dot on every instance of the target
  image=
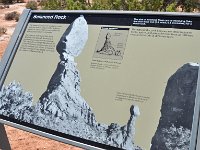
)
(4, 142)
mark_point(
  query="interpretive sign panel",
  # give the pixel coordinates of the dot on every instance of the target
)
(125, 80)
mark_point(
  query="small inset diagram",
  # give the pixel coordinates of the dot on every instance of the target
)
(111, 43)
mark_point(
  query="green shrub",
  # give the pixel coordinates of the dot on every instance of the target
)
(50, 4)
(171, 7)
(2, 30)
(135, 5)
(31, 5)
(12, 16)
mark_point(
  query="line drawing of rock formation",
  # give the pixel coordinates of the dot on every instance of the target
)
(61, 107)
(107, 48)
(111, 43)
(177, 110)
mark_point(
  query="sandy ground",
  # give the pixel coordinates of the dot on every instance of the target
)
(21, 140)
(10, 25)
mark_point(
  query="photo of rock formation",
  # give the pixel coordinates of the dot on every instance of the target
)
(61, 107)
(177, 110)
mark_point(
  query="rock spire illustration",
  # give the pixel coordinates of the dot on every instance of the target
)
(107, 48)
(61, 107)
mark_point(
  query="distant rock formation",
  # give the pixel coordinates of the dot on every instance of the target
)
(61, 107)
(177, 108)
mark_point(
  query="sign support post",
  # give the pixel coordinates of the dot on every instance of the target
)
(4, 142)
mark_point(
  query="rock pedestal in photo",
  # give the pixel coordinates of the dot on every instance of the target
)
(61, 107)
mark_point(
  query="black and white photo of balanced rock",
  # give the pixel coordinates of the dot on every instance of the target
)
(61, 107)
(177, 110)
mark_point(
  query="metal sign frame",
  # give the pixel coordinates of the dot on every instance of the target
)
(10, 55)
(4, 142)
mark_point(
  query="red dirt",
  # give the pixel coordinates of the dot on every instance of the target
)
(9, 25)
(21, 140)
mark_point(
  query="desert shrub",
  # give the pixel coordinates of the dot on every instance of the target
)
(31, 5)
(2, 30)
(20, 1)
(53, 4)
(17, 17)
(12, 16)
(11, 1)
(8, 1)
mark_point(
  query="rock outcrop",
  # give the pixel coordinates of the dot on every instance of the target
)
(61, 107)
(177, 106)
